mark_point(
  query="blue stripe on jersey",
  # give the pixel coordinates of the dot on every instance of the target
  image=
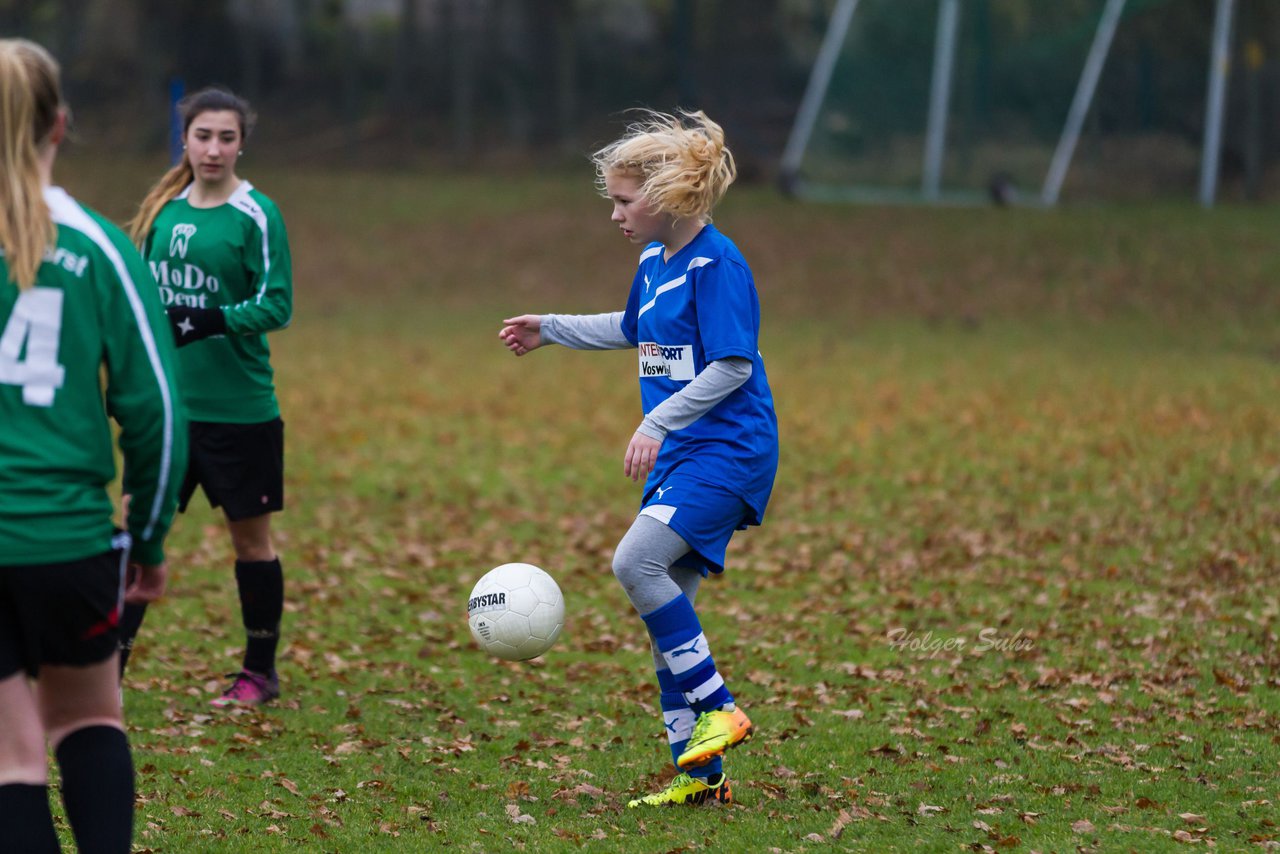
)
(673, 284)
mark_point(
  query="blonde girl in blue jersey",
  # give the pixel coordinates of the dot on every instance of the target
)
(82, 335)
(708, 444)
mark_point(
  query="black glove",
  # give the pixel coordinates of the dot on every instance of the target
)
(194, 324)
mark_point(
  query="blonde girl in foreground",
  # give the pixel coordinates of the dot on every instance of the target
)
(76, 305)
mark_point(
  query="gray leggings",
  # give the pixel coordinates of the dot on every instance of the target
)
(643, 564)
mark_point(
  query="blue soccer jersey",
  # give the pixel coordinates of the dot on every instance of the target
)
(682, 314)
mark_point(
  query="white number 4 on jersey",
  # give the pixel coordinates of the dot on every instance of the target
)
(36, 321)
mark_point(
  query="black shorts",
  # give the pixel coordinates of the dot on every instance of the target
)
(240, 467)
(61, 613)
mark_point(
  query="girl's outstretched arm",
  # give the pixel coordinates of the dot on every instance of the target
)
(575, 331)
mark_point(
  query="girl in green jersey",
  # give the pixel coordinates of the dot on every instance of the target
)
(220, 257)
(76, 305)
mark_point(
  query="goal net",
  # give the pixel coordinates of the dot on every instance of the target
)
(957, 100)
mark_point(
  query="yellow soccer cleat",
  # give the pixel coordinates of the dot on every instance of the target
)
(713, 734)
(690, 791)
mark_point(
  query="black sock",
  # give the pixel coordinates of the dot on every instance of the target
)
(97, 788)
(130, 622)
(261, 585)
(27, 822)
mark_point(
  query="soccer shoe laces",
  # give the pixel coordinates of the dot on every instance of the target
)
(701, 728)
(713, 733)
(680, 781)
(687, 790)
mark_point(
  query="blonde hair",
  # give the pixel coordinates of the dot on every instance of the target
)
(173, 182)
(30, 100)
(682, 163)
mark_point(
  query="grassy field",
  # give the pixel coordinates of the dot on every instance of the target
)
(1015, 591)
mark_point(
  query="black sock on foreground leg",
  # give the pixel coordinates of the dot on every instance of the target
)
(27, 821)
(98, 789)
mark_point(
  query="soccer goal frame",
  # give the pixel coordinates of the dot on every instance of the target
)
(931, 189)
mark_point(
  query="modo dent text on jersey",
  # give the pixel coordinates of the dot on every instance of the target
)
(175, 280)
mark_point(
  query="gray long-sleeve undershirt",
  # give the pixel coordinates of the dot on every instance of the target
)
(585, 331)
(604, 332)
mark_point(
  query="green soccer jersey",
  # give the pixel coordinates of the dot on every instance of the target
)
(88, 342)
(234, 257)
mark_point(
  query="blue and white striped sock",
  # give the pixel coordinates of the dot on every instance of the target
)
(679, 719)
(679, 638)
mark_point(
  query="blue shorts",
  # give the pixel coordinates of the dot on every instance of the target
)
(703, 514)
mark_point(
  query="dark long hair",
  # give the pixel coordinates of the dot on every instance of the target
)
(171, 183)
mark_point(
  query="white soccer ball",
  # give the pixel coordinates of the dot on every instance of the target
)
(516, 611)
